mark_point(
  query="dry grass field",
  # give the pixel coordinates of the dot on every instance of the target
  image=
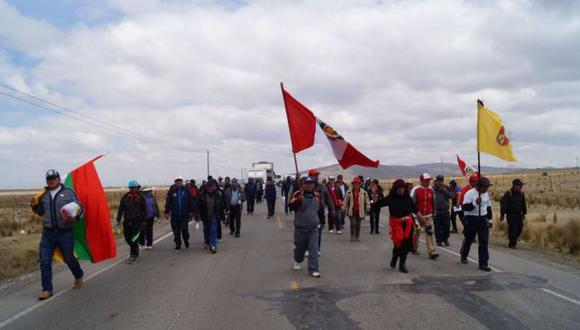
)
(20, 229)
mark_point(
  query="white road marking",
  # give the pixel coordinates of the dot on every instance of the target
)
(88, 278)
(574, 301)
(468, 258)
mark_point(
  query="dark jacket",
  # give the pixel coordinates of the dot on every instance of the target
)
(179, 202)
(49, 208)
(399, 206)
(305, 207)
(132, 207)
(228, 197)
(374, 200)
(513, 203)
(250, 190)
(286, 186)
(442, 197)
(270, 191)
(339, 193)
(216, 205)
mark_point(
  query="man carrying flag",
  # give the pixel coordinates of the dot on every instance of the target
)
(54, 205)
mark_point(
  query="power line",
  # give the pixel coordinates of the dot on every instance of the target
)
(65, 113)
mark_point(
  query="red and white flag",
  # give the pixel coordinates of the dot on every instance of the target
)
(467, 171)
(302, 124)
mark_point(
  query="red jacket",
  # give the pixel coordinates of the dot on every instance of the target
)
(424, 198)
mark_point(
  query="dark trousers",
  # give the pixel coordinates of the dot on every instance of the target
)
(180, 228)
(132, 234)
(334, 221)
(219, 230)
(442, 226)
(146, 236)
(515, 227)
(235, 219)
(65, 241)
(374, 217)
(306, 241)
(250, 205)
(271, 207)
(286, 201)
(355, 226)
(454, 220)
(475, 225)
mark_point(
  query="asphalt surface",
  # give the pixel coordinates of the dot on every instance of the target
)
(249, 284)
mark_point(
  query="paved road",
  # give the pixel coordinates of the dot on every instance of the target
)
(249, 284)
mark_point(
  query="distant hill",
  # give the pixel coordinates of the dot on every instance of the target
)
(400, 171)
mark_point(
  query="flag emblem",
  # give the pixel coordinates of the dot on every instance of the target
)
(501, 138)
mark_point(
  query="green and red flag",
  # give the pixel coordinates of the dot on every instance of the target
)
(94, 238)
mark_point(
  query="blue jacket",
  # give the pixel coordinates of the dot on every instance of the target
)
(270, 191)
(179, 202)
(250, 191)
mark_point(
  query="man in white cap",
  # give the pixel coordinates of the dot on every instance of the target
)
(424, 198)
(179, 207)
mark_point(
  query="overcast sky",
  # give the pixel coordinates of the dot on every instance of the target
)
(398, 79)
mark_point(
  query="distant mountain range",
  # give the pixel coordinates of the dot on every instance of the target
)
(401, 171)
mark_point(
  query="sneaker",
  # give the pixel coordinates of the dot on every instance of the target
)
(331, 231)
(434, 255)
(141, 247)
(297, 266)
(316, 274)
(446, 243)
(45, 295)
(339, 232)
(319, 254)
(186, 244)
(464, 261)
(237, 235)
(148, 247)
(132, 259)
(485, 268)
(213, 250)
(78, 283)
(177, 248)
(306, 254)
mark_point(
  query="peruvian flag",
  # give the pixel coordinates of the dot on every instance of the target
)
(467, 171)
(302, 124)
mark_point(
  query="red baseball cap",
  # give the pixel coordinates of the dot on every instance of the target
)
(356, 179)
(313, 172)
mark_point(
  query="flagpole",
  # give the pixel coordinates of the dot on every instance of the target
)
(478, 159)
(293, 153)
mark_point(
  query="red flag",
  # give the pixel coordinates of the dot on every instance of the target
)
(346, 154)
(467, 171)
(301, 122)
(94, 239)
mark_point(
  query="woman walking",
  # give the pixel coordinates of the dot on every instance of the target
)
(357, 206)
(401, 223)
(376, 195)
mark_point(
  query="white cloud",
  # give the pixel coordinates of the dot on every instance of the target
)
(399, 79)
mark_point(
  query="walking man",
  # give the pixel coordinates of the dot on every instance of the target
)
(270, 196)
(357, 206)
(478, 220)
(455, 206)
(212, 212)
(376, 195)
(341, 194)
(424, 198)
(178, 206)
(306, 204)
(442, 217)
(250, 191)
(513, 205)
(133, 211)
(334, 220)
(152, 212)
(326, 203)
(234, 199)
(286, 187)
(57, 230)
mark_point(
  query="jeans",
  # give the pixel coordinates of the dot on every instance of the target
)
(355, 221)
(306, 241)
(64, 240)
(147, 233)
(475, 225)
(515, 227)
(271, 207)
(213, 231)
(374, 217)
(180, 228)
(442, 227)
(235, 219)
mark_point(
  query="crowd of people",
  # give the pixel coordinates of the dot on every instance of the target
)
(432, 207)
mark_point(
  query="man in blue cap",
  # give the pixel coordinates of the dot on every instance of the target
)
(57, 230)
(133, 210)
(305, 204)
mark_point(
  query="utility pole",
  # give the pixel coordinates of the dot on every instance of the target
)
(208, 162)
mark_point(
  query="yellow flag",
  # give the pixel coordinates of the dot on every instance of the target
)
(491, 135)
